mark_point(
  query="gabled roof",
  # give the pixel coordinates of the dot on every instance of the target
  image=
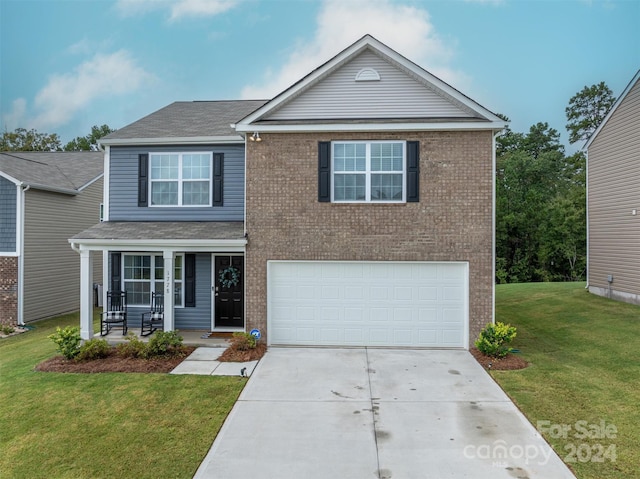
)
(615, 106)
(187, 122)
(65, 172)
(471, 114)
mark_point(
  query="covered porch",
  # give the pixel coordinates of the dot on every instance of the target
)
(179, 259)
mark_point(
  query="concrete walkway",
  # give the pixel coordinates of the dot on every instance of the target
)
(376, 413)
(204, 361)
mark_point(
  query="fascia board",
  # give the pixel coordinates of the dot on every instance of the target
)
(188, 140)
(158, 245)
(615, 106)
(358, 127)
(89, 183)
(11, 179)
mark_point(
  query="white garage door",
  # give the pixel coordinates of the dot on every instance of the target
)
(367, 303)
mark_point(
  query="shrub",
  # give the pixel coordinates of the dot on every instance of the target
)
(6, 329)
(133, 348)
(241, 341)
(493, 339)
(164, 343)
(93, 349)
(67, 340)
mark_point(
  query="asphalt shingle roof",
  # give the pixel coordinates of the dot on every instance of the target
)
(69, 170)
(185, 119)
(164, 230)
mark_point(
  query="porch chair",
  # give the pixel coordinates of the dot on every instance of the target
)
(115, 313)
(153, 318)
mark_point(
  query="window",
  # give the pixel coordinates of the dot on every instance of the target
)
(141, 272)
(368, 171)
(180, 179)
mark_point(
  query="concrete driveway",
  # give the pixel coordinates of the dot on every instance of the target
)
(311, 413)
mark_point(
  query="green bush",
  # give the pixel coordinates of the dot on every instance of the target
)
(133, 348)
(164, 343)
(6, 329)
(67, 340)
(493, 339)
(93, 349)
(241, 341)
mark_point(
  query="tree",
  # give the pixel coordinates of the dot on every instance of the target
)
(587, 109)
(90, 141)
(22, 139)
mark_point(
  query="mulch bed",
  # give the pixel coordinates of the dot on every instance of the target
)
(236, 356)
(509, 362)
(113, 364)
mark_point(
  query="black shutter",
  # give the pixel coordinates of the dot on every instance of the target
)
(190, 280)
(413, 171)
(116, 275)
(143, 179)
(324, 171)
(218, 170)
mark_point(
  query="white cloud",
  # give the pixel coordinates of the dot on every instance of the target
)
(102, 76)
(406, 29)
(177, 8)
(16, 117)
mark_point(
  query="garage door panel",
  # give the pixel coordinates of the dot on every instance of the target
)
(367, 303)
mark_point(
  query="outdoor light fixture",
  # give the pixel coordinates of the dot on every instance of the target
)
(255, 137)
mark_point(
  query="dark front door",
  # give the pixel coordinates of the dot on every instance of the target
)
(229, 287)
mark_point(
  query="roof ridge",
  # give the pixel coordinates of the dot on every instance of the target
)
(13, 155)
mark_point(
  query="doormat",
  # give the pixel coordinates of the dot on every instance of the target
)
(220, 335)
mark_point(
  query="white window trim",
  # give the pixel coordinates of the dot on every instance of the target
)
(180, 180)
(367, 171)
(153, 280)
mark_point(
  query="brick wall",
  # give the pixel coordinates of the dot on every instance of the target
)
(8, 290)
(452, 221)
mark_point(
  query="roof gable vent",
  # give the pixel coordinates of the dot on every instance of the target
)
(367, 74)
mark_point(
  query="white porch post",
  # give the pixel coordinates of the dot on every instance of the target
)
(86, 295)
(168, 291)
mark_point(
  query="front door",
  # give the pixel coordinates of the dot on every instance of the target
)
(228, 287)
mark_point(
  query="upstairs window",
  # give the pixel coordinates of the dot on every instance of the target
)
(371, 171)
(180, 179)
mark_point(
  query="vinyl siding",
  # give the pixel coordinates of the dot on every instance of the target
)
(397, 95)
(123, 188)
(51, 267)
(613, 192)
(187, 318)
(8, 195)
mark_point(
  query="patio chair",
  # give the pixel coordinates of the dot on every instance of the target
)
(115, 313)
(153, 318)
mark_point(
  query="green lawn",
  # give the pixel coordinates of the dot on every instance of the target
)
(584, 355)
(107, 425)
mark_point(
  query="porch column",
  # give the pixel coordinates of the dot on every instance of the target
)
(169, 323)
(86, 295)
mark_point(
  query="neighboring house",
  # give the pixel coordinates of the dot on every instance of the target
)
(355, 208)
(44, 198)
(613, 200)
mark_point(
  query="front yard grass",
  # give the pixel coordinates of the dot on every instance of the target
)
(584, 355)
(106, 425)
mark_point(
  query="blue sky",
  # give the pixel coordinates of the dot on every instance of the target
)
(68, 65)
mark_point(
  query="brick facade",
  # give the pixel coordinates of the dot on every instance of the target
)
(452, 221)
(8, 290)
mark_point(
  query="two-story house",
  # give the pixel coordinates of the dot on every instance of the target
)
(354, 208)
(45, 197)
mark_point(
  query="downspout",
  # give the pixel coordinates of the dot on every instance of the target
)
(21, 254)
(493, 223)
(586, 199)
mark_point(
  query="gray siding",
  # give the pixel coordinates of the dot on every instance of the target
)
(187, 318)
(8, 198)
(51, 267)
(614, 191)
(397, 95)
(123, 188)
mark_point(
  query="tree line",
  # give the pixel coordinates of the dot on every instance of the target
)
(22, 139)
(540, 190)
